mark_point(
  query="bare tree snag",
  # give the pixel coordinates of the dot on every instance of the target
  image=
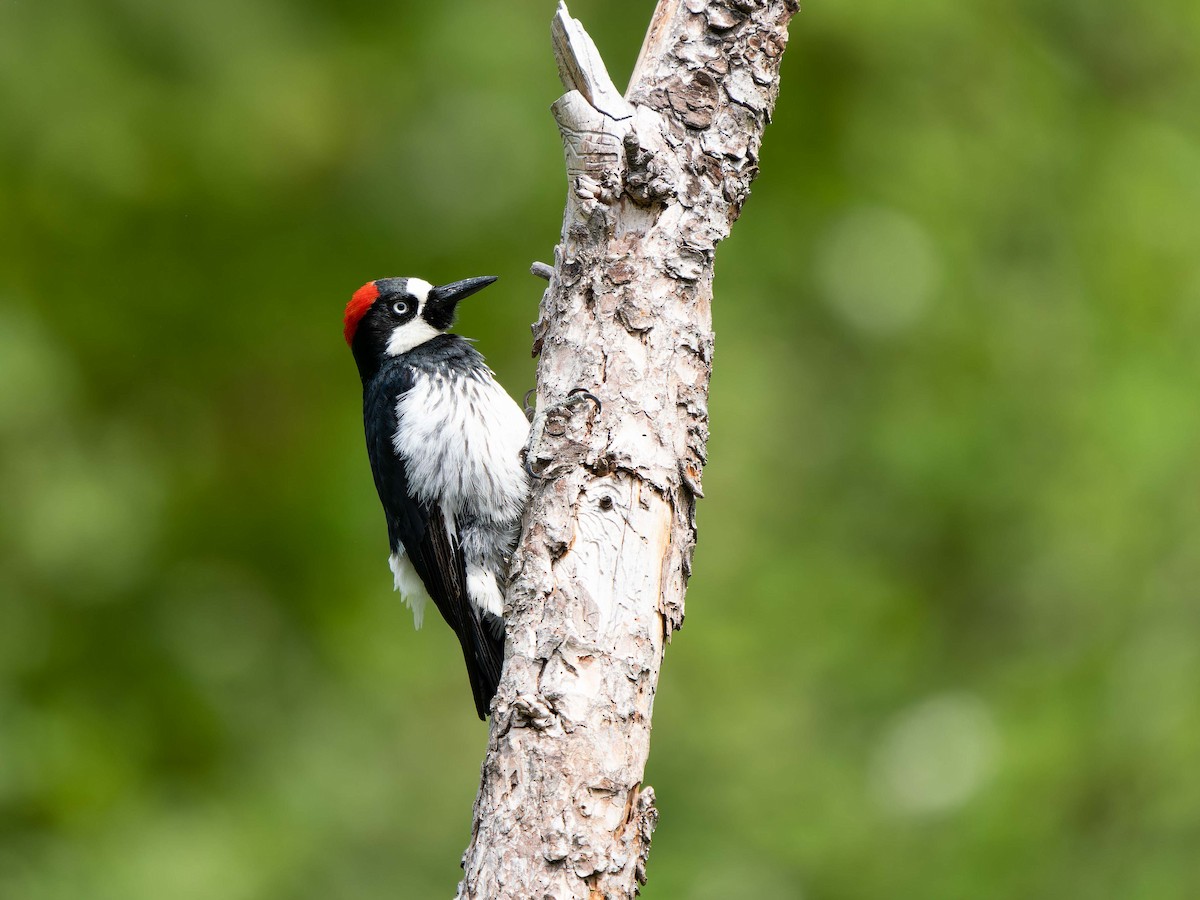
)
(656, 178)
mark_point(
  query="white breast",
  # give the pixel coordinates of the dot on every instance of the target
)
(460, 438)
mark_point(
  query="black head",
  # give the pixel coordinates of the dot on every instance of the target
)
(391, 316)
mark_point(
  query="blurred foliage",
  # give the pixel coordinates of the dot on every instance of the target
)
(942, 633)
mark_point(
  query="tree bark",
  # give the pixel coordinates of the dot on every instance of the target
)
(655, 180)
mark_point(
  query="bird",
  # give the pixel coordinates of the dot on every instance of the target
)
(445, 444)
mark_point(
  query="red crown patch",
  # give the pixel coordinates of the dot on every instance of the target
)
(357, 308)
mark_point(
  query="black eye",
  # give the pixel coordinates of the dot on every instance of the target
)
(400, 307)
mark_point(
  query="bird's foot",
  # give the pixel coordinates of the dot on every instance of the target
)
(575, 395)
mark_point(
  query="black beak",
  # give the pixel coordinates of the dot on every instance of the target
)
(439, 308)
(459, 290)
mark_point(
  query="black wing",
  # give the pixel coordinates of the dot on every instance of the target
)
(421, 529)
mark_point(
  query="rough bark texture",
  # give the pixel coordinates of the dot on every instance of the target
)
(655, 180)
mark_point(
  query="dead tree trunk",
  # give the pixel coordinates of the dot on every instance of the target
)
(655, 180)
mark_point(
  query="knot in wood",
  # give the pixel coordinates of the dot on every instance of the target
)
(569, 272)
(556, 422)
(648, 178)
(530, 711)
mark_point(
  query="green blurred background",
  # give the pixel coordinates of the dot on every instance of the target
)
(942, 633)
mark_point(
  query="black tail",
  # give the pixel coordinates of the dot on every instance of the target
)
(483, 651)
(438, 560)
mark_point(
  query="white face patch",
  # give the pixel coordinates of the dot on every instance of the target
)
(411, 334)
(419, 289)
(416, 330)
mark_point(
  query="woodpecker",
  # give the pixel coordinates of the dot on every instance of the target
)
(445, 441)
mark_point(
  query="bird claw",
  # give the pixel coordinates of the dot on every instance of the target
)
(555, 424)
(529, 410)
(528, 466)
(577, 394)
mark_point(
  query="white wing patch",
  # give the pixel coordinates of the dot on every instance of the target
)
(408, 583)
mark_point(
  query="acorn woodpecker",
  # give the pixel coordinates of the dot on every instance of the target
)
(445, 441)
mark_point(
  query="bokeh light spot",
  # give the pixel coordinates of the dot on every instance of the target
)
(935, 756)
(877, 269)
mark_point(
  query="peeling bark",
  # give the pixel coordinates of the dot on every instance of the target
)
(656, 179)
